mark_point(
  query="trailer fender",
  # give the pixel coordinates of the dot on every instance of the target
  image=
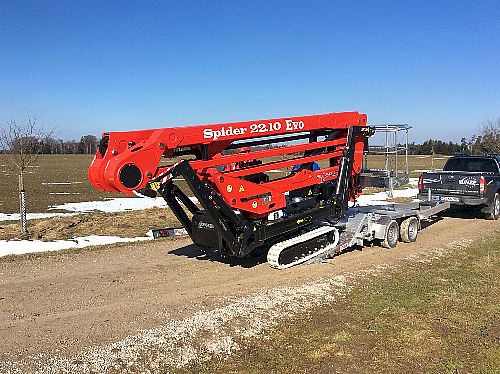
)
(380, 227)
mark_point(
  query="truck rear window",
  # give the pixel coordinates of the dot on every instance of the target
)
(485, 165)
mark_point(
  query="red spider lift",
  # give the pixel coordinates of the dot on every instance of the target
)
(228, 166)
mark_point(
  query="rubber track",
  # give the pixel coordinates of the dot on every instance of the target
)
(275, 250)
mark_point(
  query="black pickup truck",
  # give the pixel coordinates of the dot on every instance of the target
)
(466, 180)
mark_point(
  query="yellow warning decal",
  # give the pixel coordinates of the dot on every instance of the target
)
(241, 188)
(155, 186)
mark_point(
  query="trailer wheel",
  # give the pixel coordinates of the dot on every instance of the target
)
(409, 230)
(391, 235)
(495, 212)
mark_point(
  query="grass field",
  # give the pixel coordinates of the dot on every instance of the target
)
(122, 224)
(439, 318)
(43, 183)
(59, 179)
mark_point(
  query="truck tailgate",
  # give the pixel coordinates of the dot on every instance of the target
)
(452, 183)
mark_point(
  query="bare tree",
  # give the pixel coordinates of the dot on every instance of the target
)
(488, 139)
(88, 144)
(22, 142)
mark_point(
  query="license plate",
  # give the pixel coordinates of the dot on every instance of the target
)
(451, 199)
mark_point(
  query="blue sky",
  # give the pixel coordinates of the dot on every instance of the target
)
(93, 66)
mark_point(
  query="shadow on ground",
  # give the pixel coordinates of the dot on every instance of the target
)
(424, 223)
(465, 212)
(193, 251)
(258, 256)
(253, 259)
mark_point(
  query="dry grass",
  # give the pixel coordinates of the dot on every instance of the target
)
(125, 224)
(41, 191)
(372, 190)
(400, 199)
(416, 163)
(442, 317)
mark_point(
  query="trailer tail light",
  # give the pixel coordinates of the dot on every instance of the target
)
(482, 185)
(421, 182)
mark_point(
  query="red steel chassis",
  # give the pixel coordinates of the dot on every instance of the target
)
(128, 161)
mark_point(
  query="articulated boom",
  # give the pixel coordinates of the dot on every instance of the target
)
(229, 168)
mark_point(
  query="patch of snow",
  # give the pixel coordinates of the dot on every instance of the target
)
(413, 181)
(380, 198)
(119, 204)
(17, 247)
(29, 216)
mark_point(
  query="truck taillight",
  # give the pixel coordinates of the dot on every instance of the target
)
(482, 185)
(421, 182)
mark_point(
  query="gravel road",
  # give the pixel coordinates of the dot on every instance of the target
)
(64, 312)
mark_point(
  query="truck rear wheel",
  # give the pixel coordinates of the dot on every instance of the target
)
(409, 230)
(391, 235)
(495, 205)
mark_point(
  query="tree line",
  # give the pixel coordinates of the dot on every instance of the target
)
(478, 144)
(435, 146)
(485, 141)
(48, 145)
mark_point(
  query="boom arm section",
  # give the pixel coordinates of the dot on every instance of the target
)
(127, 161)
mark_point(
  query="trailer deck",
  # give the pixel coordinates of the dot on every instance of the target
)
(363, 225)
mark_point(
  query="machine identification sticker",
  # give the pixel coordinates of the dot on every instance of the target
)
(206, 225)
(225, 131)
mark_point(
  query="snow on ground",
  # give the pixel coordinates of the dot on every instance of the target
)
(8, 247)
(17, 247)
(380, 198)
(119, 204)
(15, 216)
